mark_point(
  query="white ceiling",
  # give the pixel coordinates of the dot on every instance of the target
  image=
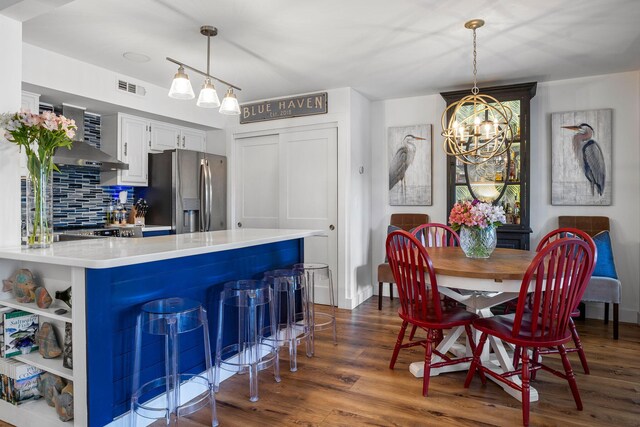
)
(384, 49)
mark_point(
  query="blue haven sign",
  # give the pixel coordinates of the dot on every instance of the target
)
(284, 108)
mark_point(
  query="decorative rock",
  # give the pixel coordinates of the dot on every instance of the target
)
(64, 402)
(47, 383)
(23, 285)
(20, 276)
(47, 341)
(43, 299)
(67, 352)
(24, 292)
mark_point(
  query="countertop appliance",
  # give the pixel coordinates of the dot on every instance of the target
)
(188, 190)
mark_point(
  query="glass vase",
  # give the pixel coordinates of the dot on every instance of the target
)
(39, 198)
(478, 242)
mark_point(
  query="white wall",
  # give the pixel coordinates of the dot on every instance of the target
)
(359, 183)
(344, 107)
(618, 91)
(402, 112)
(217, 142)
(10, 77)
(61, 73)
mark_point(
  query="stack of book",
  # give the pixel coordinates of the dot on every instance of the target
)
(18, 381)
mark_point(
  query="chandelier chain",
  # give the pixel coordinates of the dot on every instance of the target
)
(475, 89)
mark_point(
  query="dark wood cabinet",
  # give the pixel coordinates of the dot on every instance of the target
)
(505, 179)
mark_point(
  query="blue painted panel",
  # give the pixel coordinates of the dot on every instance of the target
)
(156, 233)
(113, 298)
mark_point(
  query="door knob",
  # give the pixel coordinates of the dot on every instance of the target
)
(239, 225)
(331, 227)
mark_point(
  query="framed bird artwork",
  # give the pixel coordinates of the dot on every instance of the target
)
(409, 160)
(581, 158)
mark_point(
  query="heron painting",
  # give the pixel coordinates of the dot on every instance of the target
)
(581, 158)
(409, 159)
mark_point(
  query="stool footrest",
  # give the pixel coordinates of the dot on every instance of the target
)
(149, 409)
(323, 321)
(231, 357)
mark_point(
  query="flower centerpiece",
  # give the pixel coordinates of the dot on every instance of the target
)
(39, 135)
(477, 221)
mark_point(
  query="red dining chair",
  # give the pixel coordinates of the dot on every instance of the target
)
(436, 235)
(550, 237)
(558, 276)
(579, 234)
(420, 303)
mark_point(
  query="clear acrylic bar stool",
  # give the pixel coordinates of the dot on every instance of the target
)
(293, 312)
(250, 304)
(315, 274)
(171, 317)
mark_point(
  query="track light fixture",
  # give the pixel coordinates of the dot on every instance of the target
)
(208, 97)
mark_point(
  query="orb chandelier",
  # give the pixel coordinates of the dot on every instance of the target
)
(208, 98)
(477, 127)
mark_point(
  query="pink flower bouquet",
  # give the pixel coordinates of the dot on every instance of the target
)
(476, 214)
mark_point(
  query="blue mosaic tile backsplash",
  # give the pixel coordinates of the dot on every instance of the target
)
(78, 198)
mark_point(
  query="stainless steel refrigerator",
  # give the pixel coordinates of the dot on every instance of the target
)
(187, 190)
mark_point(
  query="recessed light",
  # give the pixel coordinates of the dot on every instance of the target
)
(136, 57)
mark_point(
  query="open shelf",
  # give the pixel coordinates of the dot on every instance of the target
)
(34, 413)
(6, 299)
(50, 365)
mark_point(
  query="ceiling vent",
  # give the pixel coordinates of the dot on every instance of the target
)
(133, 88)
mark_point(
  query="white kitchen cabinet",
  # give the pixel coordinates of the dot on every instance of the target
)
(31, 102)
(193, 139)
(164, 136)
(127, 138)
(131, 139)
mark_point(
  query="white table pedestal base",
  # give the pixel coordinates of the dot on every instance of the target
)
(499, 361)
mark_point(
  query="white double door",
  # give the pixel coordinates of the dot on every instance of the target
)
(290, 180)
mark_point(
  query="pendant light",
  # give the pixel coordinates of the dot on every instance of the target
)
(230, 104)
(208, 97)
(181, 86)
(477, 127)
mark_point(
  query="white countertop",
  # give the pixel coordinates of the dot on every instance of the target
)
(116, 252)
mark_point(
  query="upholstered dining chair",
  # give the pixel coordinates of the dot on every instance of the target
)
(559, 275)
(420, 303)
(605, 289)
(398, 221)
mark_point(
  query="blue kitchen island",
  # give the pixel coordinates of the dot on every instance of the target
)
(111, 278)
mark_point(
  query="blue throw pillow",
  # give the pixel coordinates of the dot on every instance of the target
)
(605, 267)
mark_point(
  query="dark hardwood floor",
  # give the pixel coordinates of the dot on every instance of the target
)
(351, 385)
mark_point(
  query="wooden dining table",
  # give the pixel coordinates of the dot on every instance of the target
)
(479, 284)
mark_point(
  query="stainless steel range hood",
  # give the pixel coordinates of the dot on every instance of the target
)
(81, 153)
